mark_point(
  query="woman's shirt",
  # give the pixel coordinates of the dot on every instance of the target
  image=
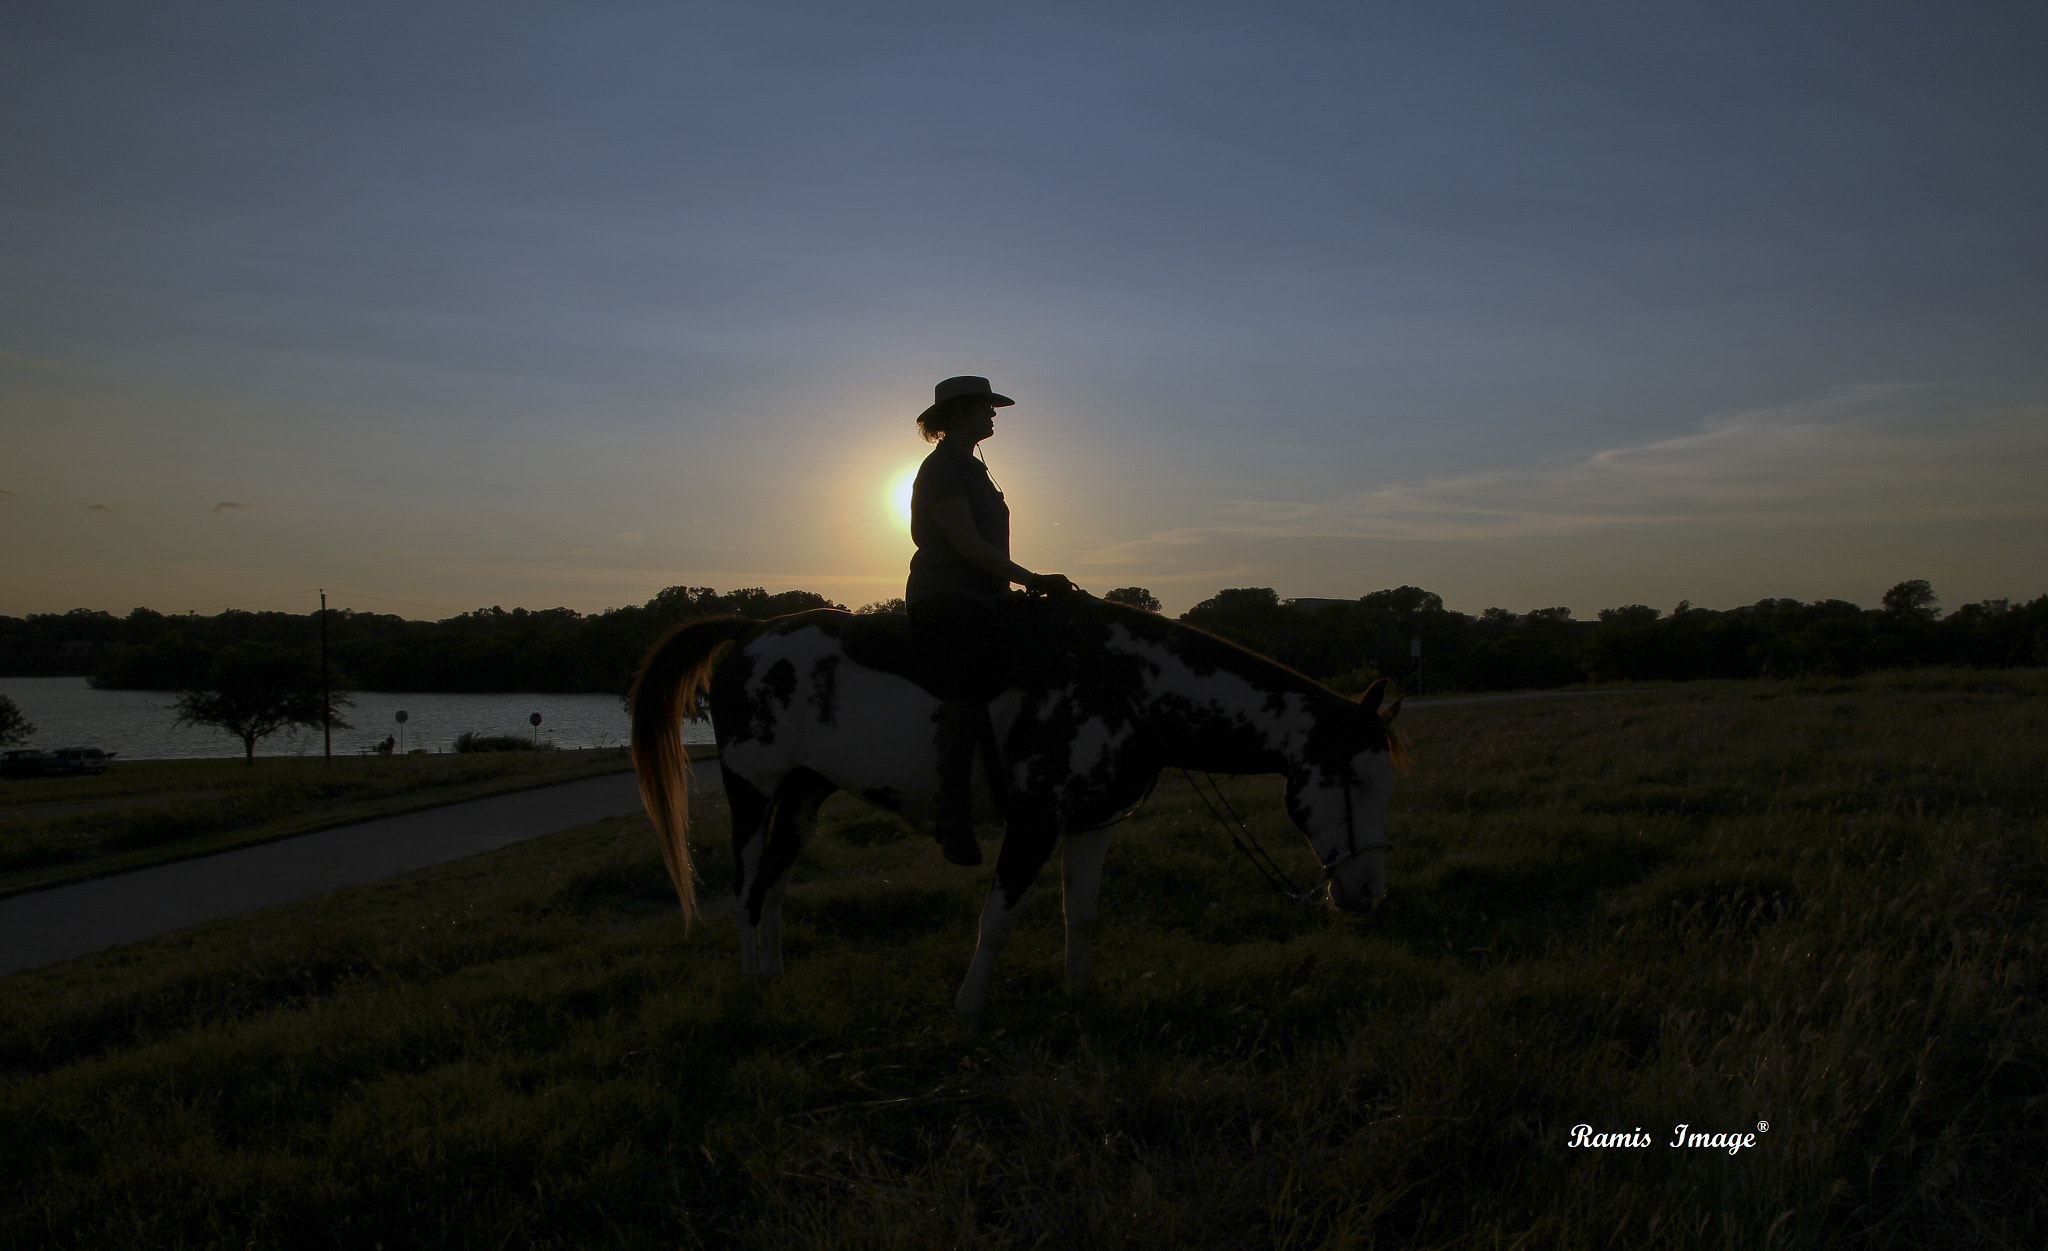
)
(936, 567)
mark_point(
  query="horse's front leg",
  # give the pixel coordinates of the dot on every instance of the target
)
(1081, 857)
(1025, 848)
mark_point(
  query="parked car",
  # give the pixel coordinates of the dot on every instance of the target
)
(22, 762)
(70, 761)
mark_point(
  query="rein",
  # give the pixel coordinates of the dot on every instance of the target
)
(1248, 846)
(1242, 838)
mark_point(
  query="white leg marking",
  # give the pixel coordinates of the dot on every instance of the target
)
(1081, 857)
(996, 924)
(793, 818)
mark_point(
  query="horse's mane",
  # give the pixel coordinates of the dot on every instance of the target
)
(1211, 648)
(1222, 653)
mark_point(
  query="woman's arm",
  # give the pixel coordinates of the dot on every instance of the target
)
(957, 524)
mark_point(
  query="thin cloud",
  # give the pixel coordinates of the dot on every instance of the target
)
(1852, 458)
(18, 360)
(98, 508)
(230, 505)
(8, 495)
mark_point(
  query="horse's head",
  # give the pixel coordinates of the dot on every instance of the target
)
(1338, 796)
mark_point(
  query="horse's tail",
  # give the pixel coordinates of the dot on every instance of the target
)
(670, 683)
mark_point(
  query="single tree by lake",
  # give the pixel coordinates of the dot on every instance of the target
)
(14, 728)
(253, 691)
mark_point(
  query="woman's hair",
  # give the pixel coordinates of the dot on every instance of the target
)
(936, 420)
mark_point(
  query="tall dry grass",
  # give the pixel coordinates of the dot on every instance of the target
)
(1823, 906)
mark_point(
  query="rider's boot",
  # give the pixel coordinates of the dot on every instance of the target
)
(959, 723)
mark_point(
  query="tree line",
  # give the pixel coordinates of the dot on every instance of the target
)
(1347, 642)
(556, 650)
(1343, 642)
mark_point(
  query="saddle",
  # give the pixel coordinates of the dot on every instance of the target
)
(1037, 649)
(1034, 651)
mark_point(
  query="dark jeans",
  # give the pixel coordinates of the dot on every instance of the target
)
(963, 645)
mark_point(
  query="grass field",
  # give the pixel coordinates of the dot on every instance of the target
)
(144, 812)
(1823, 906)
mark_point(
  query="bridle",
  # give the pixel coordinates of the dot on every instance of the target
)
(1351, 845)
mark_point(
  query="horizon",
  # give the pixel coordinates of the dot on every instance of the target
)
(1597, 306)
(1943, 605)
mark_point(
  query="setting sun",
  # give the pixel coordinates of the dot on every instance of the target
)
(898, 498)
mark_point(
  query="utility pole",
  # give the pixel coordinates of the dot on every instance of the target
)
(326, 697)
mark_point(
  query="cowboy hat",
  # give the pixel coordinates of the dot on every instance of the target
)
(964, 385)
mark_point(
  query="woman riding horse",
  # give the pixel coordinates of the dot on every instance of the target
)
(961, 571)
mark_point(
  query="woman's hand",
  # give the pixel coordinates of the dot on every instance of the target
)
(957, 524)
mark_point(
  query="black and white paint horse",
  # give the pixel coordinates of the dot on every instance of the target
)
(1104, 697)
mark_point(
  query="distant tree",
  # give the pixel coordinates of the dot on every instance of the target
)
(1250, 616)
(1633, 615)
(1355, 680)
(1135, 597)
(14, 728)
(170, 662)
(880, 605)
(1405, 602)
(255, 690)
(1912, 599)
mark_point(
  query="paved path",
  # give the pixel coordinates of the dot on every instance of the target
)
(47, 926)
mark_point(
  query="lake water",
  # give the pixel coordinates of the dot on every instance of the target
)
(139, 724)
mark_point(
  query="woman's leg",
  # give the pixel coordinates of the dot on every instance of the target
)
(957, 729)
(958, 637)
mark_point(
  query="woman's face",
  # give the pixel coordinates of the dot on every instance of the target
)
(975, 423)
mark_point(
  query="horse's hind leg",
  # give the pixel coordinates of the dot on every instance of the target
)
(1025, 849)
(791, 818)
(749, 834)
(1081, 857)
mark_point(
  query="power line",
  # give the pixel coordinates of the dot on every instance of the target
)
(267, 600)
(271, 599)
(408, 603)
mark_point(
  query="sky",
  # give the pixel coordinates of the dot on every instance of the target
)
(456, 305)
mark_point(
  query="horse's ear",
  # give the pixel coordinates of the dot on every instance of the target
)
(1392, 710)
(1369, 703)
